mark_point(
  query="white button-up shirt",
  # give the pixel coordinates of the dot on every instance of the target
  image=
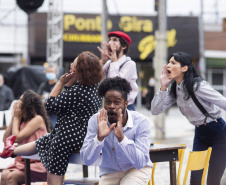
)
(132, 151)
(128, 71)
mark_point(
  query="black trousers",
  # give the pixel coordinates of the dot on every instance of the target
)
(212, 135)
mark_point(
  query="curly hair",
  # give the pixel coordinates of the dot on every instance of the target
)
(31, 105)
(116, 83)
(88, 69)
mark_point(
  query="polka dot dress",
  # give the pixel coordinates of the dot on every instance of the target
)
(74, 107)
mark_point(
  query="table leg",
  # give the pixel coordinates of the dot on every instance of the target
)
(173, 176)
(27, 172)
(85, 170)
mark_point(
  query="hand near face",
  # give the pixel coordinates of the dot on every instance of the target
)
(103, 129)
(104, 53)
(17, 109)
(164, 79)
(118, 129)
(113, 55)
(72, 81)
(66, 78)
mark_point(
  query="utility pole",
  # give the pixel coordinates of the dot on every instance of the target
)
(104, 18)
(159, 60)
(202, 63)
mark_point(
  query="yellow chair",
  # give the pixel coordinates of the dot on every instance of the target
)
(198, 160)
(180, 159)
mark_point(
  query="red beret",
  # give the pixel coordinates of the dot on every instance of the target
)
(120, 34)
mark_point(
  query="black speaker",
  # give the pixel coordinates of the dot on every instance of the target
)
(29, 6)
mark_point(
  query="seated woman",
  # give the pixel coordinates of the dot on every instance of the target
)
(74, 107)
(29, 122)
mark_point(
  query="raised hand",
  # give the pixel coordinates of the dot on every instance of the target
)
(103, 129)
(118, 129)
(66, 78)
(164, 79)
(17, 109)
(72, 81)
(104, 53)
(113, 55)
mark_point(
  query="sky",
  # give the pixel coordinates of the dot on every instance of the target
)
(214, 10)
(13, 21)
(146, 7)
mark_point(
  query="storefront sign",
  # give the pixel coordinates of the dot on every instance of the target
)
(82, 33)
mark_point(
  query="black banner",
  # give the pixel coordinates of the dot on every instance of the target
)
(82, 33)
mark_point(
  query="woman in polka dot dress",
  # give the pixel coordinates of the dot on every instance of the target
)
(74, 107)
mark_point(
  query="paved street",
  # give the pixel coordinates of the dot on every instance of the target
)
(177, 130)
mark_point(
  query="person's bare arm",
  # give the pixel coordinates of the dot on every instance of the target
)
(33, 125)
(15, 112)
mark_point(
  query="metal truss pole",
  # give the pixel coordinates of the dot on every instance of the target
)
(54, 53)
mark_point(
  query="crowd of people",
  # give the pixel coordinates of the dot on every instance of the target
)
(117, 131)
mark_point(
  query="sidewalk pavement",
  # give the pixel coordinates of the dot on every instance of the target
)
(177, 131)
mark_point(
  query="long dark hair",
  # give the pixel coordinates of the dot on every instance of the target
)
(191, 76)
(31, 105)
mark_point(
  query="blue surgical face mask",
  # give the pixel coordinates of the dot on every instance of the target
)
(50, 76)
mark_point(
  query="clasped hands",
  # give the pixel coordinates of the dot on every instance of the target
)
(103, 128)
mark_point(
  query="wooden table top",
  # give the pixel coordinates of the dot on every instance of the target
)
(161, 147)
(153, 148)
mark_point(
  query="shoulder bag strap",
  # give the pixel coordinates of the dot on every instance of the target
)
(201, 108)
(119, 66)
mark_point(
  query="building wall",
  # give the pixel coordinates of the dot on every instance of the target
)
(215, 40)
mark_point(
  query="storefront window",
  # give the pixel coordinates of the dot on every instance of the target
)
(217, 79)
